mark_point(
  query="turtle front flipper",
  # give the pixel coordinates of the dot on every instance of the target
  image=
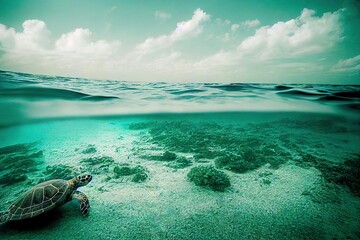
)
(83, 200)
(4, 217)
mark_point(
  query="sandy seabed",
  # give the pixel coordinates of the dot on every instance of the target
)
(289, 202)
(169, 207)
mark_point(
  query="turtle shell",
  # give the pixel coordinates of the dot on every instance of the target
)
(41, 198)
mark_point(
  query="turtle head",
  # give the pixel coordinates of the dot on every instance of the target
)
(82, 180)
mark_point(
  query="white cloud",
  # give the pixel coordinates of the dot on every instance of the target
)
(304, 35)
(235, 27)
(31, 50)
(108, 13)
(107, 16)
(190, 28)
(78, 53)
(34, 37)
(251, 23)
(79, 41)
(226, 37)
(184, 30)
(222, 58)
(247, 23)
(7, 36)
(164, 63)
(162, 15)
(348, 65)
(112, 9)
(222, 22)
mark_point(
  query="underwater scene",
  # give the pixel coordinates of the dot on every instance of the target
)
(177, 161)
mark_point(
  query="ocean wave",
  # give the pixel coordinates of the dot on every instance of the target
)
(31, 93)
(190, 91)
(282, 87)
(302, 93)
(231, 87)
(26, 96)
(333, 98)
(348, 94)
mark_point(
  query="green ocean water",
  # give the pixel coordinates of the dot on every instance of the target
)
(288, 172)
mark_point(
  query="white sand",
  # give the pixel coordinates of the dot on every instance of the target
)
(168, 206)
(295, 205)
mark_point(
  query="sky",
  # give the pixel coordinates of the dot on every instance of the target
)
(268, 41)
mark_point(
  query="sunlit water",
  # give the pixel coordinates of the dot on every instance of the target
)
(290, 153)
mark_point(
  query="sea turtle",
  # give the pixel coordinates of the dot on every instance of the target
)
(46, 196)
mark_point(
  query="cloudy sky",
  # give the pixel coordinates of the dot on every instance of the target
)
(268, 41)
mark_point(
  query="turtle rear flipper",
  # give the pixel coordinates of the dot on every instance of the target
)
(4, 217)
(83, 200)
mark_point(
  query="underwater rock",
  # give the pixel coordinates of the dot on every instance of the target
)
(138, 171)
(265, 181)
(139, 126)
(208, 176)
(345, 174)
(16, 149)
(17, 161)
(308, 160)
(126, 170)
(59, 171)
(351, 175)
(180, 162)
(123, 171)
(238, 163)
(139, 177)
(168, 156)
(205, 154)
(106, 165)
(89, 149)
(315, 125)
(323, 192)
(183, 136)
(165, 157)
(186, 137)
(265, 173)
(231, 147)
(249, 159)
(12, 178)
(97, 165)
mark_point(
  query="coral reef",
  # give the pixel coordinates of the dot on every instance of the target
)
(231, 147)
(114, 170)
(140, 177)
(123, 171)
(165, 157)
(97, 165)
(138, 171)
(59, 171)
(208, 176)
(89, 149)
(17, 161)
(168, 156)
(345, 174)
(138, 126)
(180, 162)
(246, 148)
(349, 175)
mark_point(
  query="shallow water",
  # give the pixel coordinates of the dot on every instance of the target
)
(290, 153)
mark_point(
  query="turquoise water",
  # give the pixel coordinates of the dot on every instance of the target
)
(183, 161)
